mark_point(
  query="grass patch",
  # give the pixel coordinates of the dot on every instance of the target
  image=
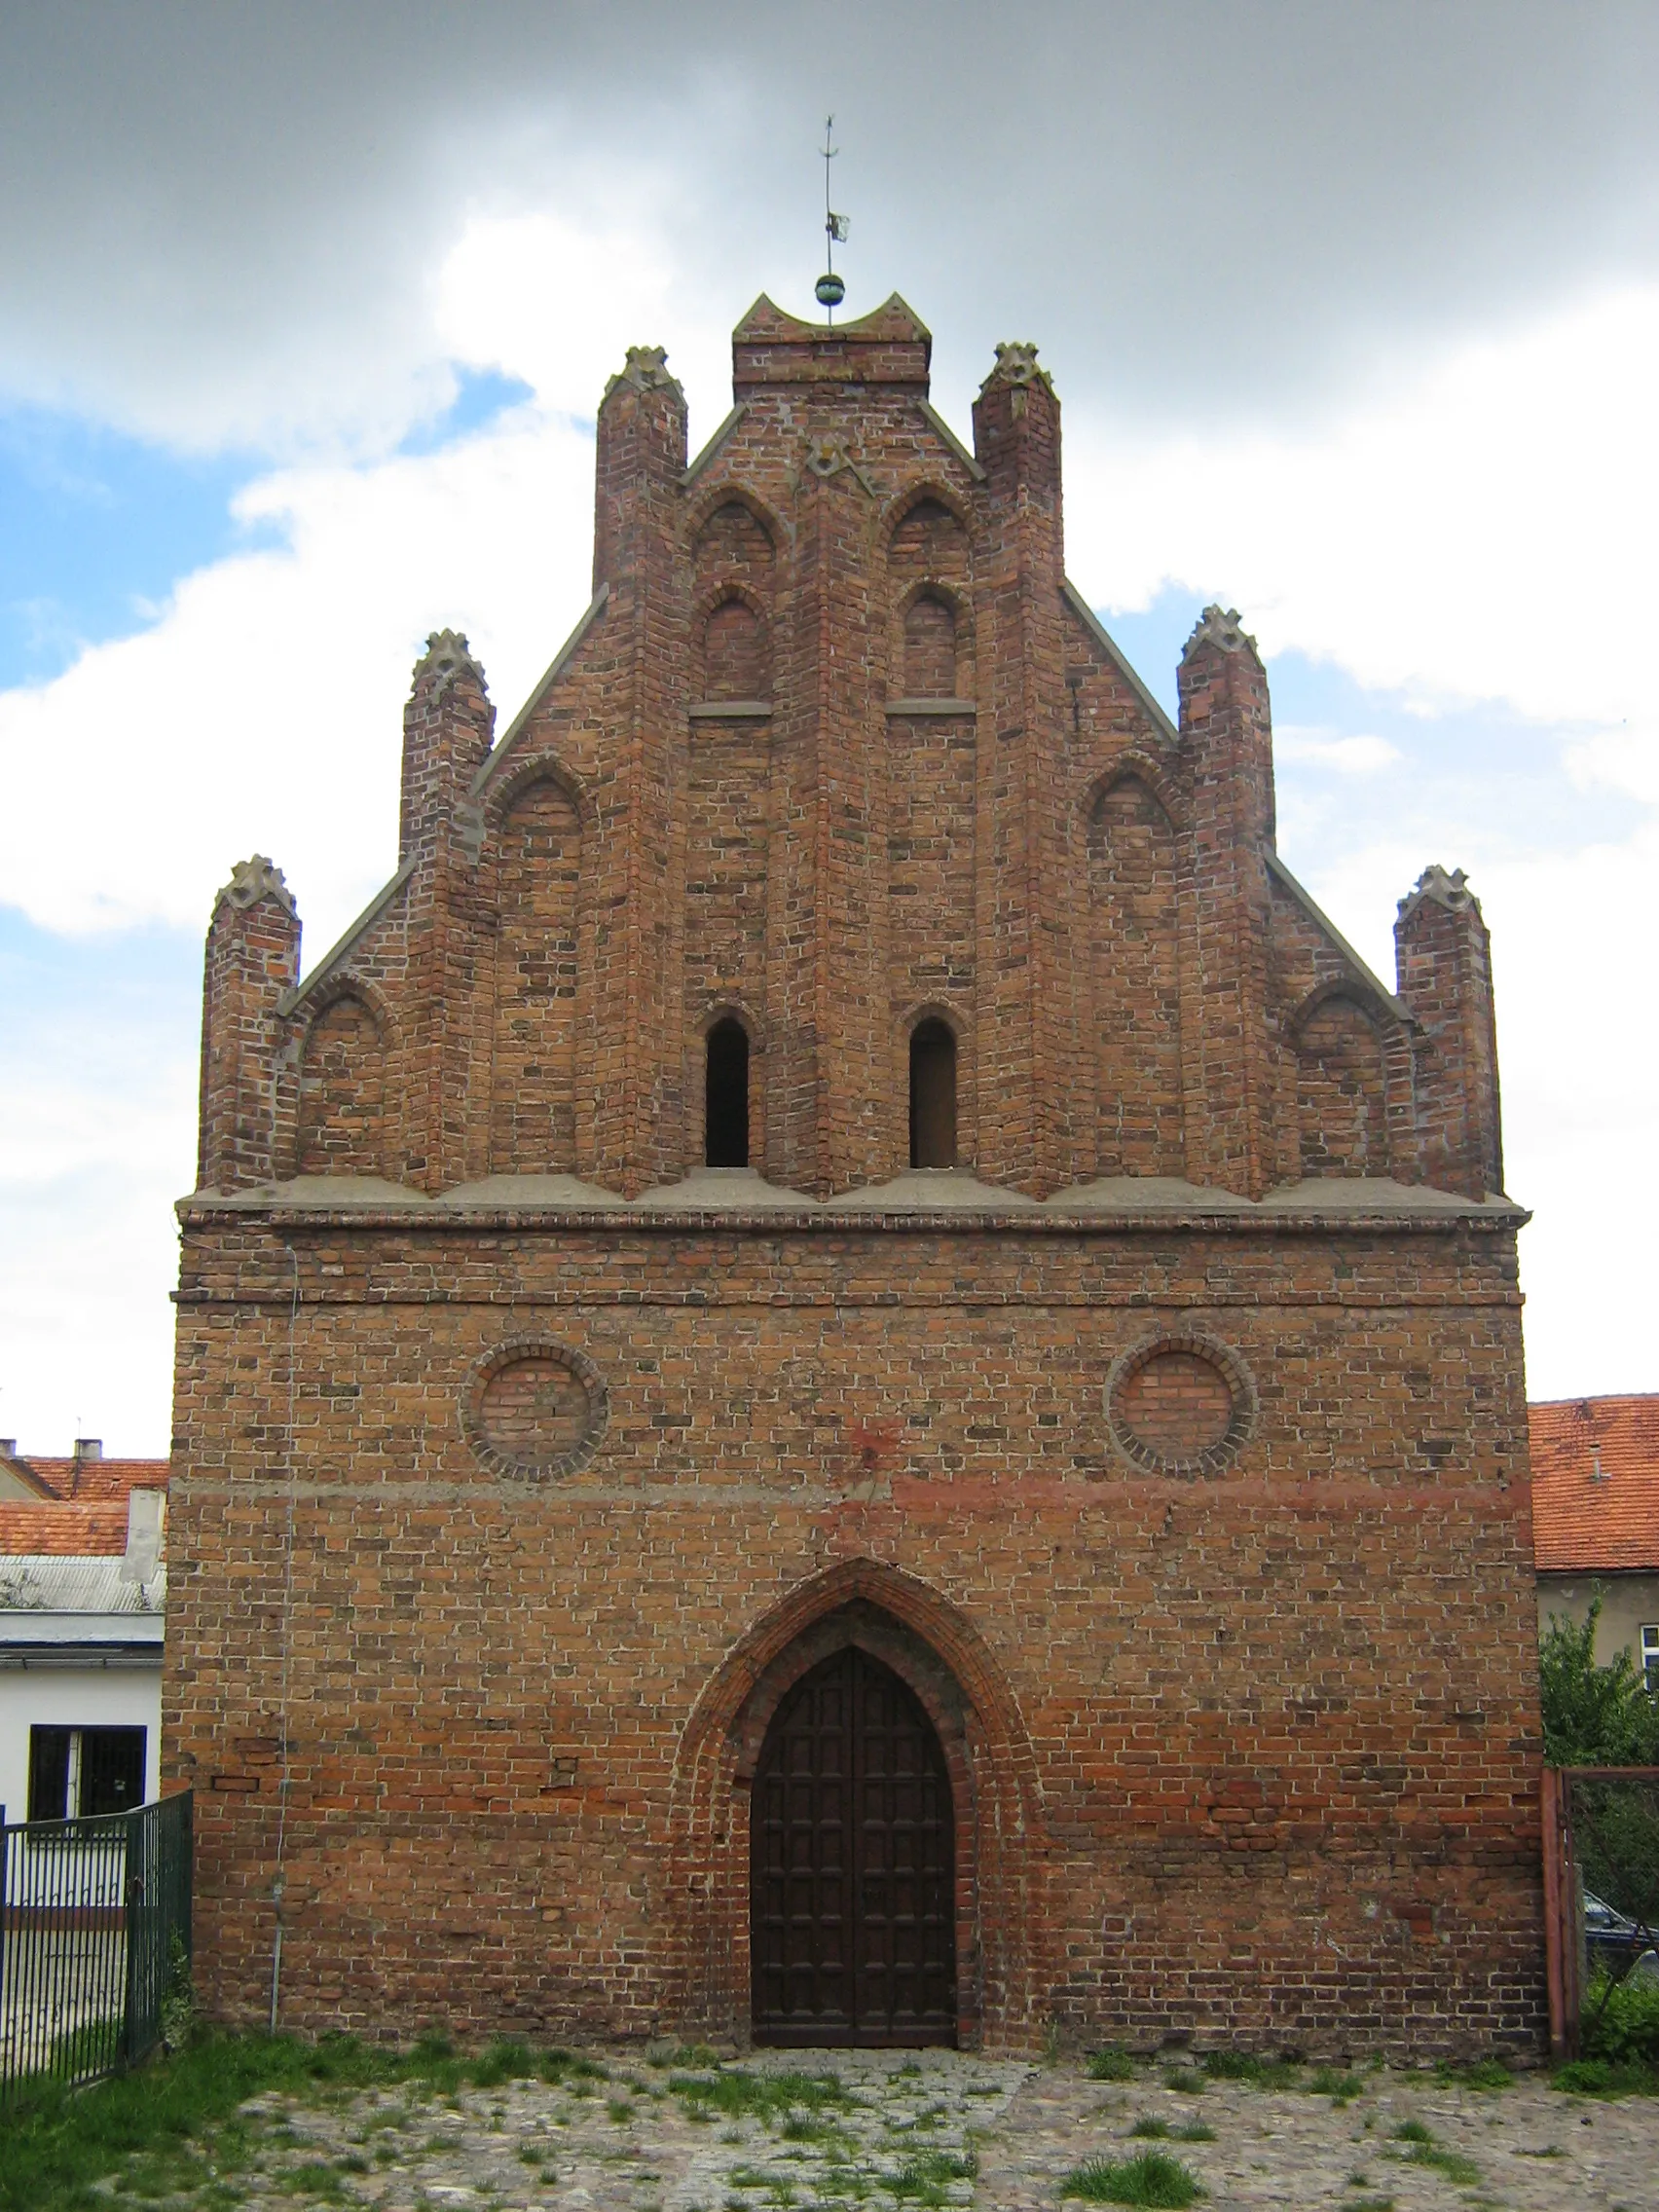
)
(1419, 2148)
(1338, 2082)
(1159, 2131)
(158, 2128)
(734, 2093)
(315, 2178)
(503, 2062)
(1112, 2065)
(1154, 2178)
(1245, 2066)
(922, 2179)
(1186, 2078)
(1480, 2074)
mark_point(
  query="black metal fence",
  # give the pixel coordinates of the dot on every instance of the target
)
(95, 1941)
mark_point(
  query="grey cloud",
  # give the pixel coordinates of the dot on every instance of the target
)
(222, 218)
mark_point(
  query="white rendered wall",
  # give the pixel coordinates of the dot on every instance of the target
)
(75, 1697)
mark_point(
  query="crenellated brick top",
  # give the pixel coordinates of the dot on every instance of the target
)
(888, 346)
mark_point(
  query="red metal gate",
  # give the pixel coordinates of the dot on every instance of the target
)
(1571, 1796)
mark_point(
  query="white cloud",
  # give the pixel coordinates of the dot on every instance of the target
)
(1482, 530)
(97, 1140)
(1361, 755)
(261, 712)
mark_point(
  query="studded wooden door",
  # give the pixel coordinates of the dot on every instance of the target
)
(852, 1866)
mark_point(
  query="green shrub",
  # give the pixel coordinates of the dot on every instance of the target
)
(1621, 2020)
(1600, 2077)
(1154, 2178)
(1111, 2065)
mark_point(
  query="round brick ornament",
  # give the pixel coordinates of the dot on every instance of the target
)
(534, 1410)
(1180, 1403)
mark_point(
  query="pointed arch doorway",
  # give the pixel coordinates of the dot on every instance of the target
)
(852, 1866)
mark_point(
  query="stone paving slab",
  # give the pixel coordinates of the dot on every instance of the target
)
(1528, 2148)
(888, 2131)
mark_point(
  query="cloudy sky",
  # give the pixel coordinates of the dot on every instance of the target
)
(304, 313)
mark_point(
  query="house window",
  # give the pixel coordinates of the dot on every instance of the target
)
(1650, 1654)
(725, 1102)
(933, 1095)
(75, 1773)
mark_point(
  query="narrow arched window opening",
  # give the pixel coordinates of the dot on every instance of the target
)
(725, 1103)
(933, 1095)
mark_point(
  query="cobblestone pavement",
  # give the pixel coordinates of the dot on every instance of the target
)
(885, 2131)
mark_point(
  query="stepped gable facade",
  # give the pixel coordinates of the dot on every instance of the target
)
(842, 1376)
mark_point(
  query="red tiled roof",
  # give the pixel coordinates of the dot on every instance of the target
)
(96, 1478)
(1595, 1484)
(64, 1532)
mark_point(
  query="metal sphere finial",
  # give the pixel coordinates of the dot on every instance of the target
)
(829, 290)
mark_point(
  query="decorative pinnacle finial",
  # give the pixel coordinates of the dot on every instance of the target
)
(1449, 889)
(253, 881)
(447, 656)
(830, 289)
(1221, 626)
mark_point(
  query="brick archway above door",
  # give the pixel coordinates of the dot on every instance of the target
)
(945, 1665)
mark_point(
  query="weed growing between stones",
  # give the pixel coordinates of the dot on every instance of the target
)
(734, 2092)
(1419, 2148)
(1480, 2074)
(1245, 2066)
(1112, 2065)
(1338, 2084)
(1154, 2178)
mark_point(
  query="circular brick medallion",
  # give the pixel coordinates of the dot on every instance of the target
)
(534, 1409)
(1180, 1404)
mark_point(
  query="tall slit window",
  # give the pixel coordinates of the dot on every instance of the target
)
(933, 1095)
(725, 1102)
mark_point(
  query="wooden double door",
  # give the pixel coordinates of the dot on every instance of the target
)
(852, 1866)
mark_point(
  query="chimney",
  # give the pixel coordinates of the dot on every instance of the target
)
(88, 1447)
(8, 1448)
(146, 1517)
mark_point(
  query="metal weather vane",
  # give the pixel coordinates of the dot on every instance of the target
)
(830, 289)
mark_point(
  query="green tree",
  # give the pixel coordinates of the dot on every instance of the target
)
(1593, 1715)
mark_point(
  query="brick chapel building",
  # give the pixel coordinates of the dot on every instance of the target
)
(842, 1376)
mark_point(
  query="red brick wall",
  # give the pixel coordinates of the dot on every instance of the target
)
(1272, 1726)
